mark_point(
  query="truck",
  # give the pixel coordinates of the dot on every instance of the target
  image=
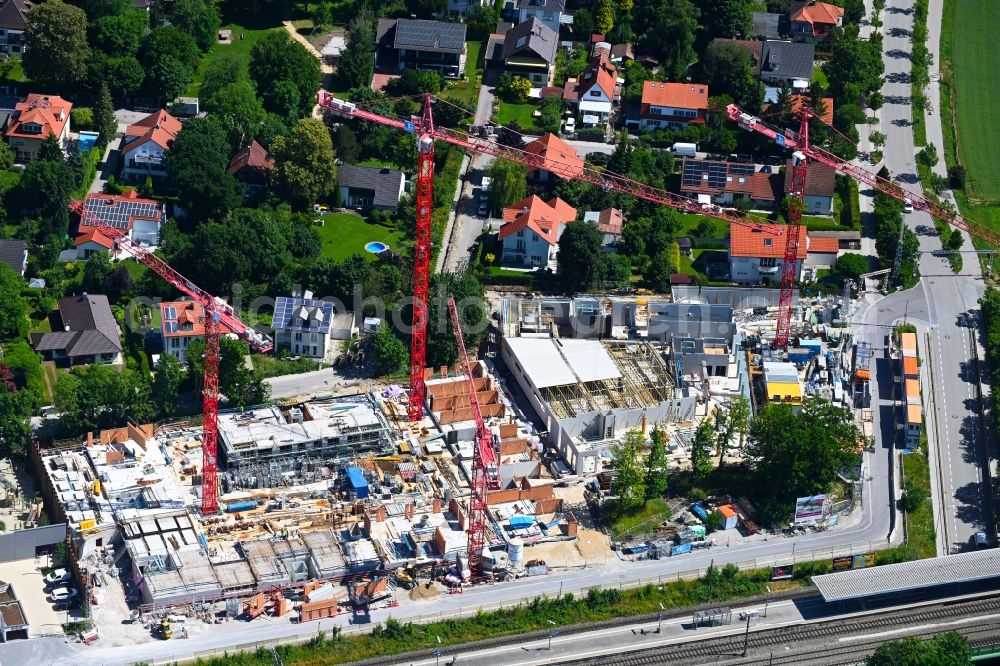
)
(684, 149)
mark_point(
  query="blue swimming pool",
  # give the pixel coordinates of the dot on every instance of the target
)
(375, 247)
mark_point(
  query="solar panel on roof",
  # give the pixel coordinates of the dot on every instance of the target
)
(118, 213)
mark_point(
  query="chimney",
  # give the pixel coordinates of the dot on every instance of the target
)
(380, 514)
(436, 506)
(90, 439)
(410, 510)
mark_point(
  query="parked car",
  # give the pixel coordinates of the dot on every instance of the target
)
(981, 541)
(62, 595)
(57, 576)
(483, 209)
(907, 207)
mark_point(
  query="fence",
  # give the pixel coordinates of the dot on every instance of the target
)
(818, 554)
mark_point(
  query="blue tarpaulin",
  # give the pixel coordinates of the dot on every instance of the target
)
(358, 482)
(518, 522)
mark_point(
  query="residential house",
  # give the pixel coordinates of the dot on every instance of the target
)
(531, 232)
(558, 159)
(622, 53)
(14, 253)
(181, 322)
(464, 7)
(757, 254)
(752, 47)
(769, 26)
(609, 222)
(370, 188)
(13, 19)
(725, 183)
(821, 182)
(812, 20)
(594, 94)
(417, 44)
(145, 145)
(822, 251)
(672, 105)
(787, 63)
(140, 218)
(252, 167)
(549, 12)
(86, 332)
(308, 327)
(529, 50)
(796, 102)
(35, 118)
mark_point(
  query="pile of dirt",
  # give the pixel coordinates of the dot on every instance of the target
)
(424, 591)
(593, 545)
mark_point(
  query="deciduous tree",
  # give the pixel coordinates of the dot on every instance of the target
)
(305, 162)
(655, 482)
(220, 72)
(198, 163)
(668, 30)
(199, 19)
(391, 355)
(580, 260)
(949, 649)
(166, 384)
(850, 266)
(628, 486)
(121, 34)
(277, 57)
(57, 53)
(13, 310)
(508, 184)
(100, 396)
(357, 62)
(238, 109)
(604, 19)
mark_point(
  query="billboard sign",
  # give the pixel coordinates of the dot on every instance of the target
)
(843, 563)
(863, 561)
(809, 509)
(782, 573)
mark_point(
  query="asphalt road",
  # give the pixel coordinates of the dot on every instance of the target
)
(953, 419)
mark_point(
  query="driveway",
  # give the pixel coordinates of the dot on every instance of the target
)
(108, 166)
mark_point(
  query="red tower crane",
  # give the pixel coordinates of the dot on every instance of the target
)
(485, 475)
(800, 143)
(216, 312)
(569, 169)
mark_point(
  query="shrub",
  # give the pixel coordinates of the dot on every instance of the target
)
(956, 176)
(82, 118)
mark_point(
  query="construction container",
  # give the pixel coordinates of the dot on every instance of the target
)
(814, 345)
(729, 516)
(799, 355)
(699, 510)
(244, 505)
(519, 522)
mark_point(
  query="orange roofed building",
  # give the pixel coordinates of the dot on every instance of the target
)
(757, 255)
(673, 105)
(531, 231)
(180, 323)
(812, 20)
(559, 159)
(34, 119)
(145, 144)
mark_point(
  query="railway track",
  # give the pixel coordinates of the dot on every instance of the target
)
(778, 646)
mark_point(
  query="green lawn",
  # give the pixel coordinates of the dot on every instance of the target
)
(920, 534)
(344, 234)
(378, 164)
(641, 519)
(9, 179)
(467, 91)
(521, 113)
(974, 65)
(239, 48)
(819, 76)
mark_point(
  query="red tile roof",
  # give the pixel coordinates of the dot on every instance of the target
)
(818, 12)
(559, 157)
(610, 221)
(824, 245)
(159, 127)
(50, 112)
(600, 72)
(187, 312)
(94, 235)
(253, 156)
(766, 187)
(820, 179)
(675, 95)
(746, 241)
(545, 218)
(796, 101)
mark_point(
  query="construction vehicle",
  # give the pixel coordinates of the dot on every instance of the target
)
(407, 578)
(163, 630)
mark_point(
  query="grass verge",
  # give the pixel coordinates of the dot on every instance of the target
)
(394, 637)
(519, 113)
(920, 533)
(269, 366)
(640, 519)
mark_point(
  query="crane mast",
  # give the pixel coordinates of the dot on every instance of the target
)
(217, 313)
(485, 475)
(421, 259)
(791, 257)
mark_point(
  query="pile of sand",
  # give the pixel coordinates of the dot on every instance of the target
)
(593, 545)
(424, 591)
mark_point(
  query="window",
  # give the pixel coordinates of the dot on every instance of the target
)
(596, 92)
(768, 242)
(520, 233)
(768, 262)
(298, 337)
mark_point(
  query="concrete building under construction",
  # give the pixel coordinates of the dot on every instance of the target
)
(274, 445)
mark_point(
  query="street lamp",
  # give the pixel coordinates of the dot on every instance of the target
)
(438, 652)
(659, 619)
(552, 634)
(768, 600)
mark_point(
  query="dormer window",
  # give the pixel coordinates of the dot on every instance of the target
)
(31, 128)
(768, 242)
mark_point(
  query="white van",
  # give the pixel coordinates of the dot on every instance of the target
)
(684, 149)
